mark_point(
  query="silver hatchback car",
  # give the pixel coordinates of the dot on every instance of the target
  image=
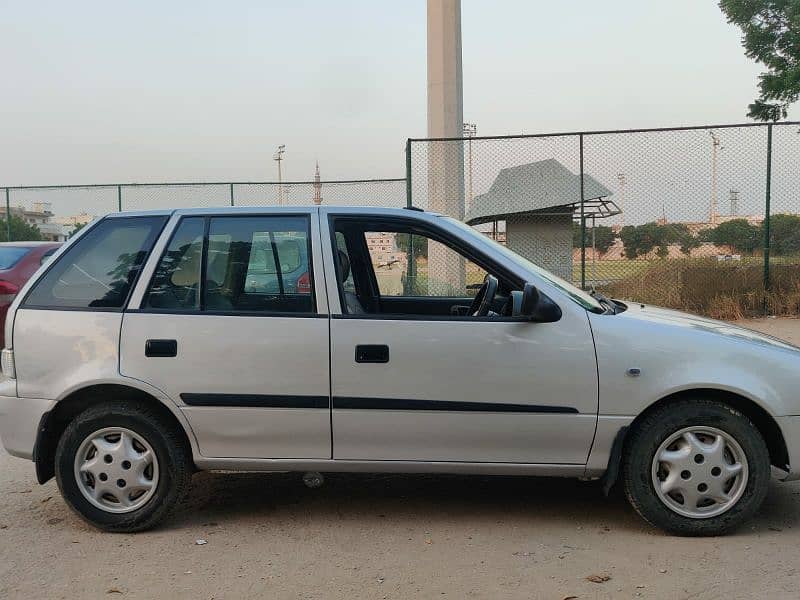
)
(158, 343)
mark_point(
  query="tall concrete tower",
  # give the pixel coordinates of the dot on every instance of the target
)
(317, 187)
(445, 119)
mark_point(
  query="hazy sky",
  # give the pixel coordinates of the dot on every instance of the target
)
(96, 91)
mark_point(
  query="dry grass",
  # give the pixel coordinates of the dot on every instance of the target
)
(718, 290)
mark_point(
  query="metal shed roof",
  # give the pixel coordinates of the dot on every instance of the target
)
(535, 188)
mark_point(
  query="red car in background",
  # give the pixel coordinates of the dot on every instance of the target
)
(18, 262)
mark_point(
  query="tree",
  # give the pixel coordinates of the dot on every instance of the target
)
(771, 31)
(678, 233)
(420, 244)
(639, 240)
(76, 229)
(737, 233)
(20, 231)
(603, 237)
(784, 234)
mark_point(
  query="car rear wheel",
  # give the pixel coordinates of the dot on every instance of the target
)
(122, 467)
(696, 467)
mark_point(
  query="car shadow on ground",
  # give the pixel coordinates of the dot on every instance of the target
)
(372, 497)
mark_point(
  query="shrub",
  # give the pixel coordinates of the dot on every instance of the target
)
(718, 290)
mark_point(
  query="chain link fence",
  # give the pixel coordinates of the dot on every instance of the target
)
(704, 219)
(54, 212)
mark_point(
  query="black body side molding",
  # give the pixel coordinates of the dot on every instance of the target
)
(255, 400)
(446, 405)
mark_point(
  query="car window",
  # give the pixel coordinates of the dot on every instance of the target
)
(408, 264)
(262, 257)
(341, 247)
(100, 268)
(577, 295)
(46, 256)
(11, 255)
(259, 264)
(176, 280)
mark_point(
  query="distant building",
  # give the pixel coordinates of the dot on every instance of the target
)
(617, 252)
(696, 227)
(41, 216)
(74, 220)
(380, 242)
(752, 219)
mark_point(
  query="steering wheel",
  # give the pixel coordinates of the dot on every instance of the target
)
(483, 299)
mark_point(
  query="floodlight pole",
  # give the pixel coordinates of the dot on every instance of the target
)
(470, 131)
(712, 217)
(278, 157)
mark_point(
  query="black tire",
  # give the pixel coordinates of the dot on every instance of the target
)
(174, 459)
(663, 422)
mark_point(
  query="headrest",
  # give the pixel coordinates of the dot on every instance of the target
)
(344, 265)
(186, 275)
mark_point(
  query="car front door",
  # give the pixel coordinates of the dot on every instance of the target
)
(413, 382)
(241, 350)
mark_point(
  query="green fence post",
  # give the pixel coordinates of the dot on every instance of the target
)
(409, 199)
(583, 221)
(231, 189)
(767, 201)
(119, 198)
(411, 274)
(8, 216)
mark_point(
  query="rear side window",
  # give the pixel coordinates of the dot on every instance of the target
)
(100, 269)
(10, 255)
(176, 281)
(258, 264)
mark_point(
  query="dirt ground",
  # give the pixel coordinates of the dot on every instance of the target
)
(392, 537)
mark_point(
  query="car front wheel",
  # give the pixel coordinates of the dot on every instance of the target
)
(696, 467)
(122, 467)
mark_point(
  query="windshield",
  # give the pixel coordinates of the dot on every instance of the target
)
(10, 255)
(576, 294)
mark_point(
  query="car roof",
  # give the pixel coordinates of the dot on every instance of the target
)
(28, 244)
(233, 210)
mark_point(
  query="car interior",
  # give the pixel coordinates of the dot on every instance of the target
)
(487, 292)
(175, 284)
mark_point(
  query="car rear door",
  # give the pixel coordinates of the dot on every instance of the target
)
(243, 353)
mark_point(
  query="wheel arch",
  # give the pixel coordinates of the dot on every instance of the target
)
(55, 422)
(763, 421)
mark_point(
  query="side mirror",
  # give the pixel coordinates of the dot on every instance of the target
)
(537, 307)
(530, 300)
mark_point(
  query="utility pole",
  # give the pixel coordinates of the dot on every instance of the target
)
(622, 181)
(278, 157)
(715, 148)
(470, 131)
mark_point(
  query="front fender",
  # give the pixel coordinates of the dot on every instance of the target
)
(640, 361)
